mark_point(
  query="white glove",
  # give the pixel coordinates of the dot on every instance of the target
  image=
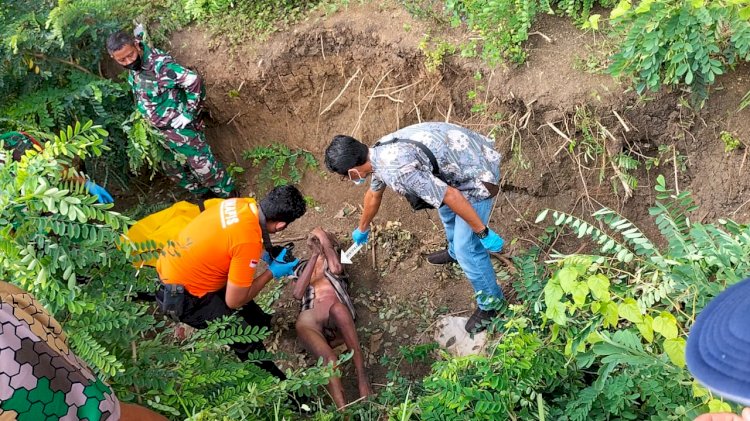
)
(138, 30)
(180, 121)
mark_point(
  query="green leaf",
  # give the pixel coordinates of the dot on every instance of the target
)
(580, 292)
(556, 312)
(644, 6)
(675, 350)
(646, 328)
(629, 311)
(622, 7)
(609, 311)
(542, 215)
(567, 277)
(666, 325)
(594, 21)
(599, 286)
(717, 405)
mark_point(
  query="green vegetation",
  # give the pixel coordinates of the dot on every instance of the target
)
(656, 42)
(279, 164)
(731, 142)
(597, 336)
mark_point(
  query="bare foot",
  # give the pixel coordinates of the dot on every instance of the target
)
(364, 388)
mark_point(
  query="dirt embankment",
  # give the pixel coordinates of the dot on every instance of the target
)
(360, 72)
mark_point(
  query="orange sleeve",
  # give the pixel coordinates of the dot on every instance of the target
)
(245, 258)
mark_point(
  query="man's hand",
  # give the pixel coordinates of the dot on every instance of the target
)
(279, 269)
(360, 237)
(492, 242)
(181, 121)
(101, 194)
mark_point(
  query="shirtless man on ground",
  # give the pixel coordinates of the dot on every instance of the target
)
(327, 315)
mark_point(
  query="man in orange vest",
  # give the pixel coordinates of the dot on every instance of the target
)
(208, 271)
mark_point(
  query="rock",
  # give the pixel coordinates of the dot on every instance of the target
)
(452, 337)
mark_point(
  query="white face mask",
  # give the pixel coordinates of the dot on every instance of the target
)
(359, 182)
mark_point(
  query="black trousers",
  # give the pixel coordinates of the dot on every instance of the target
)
(198, 311)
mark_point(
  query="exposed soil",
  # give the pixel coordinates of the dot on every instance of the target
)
(360, 72)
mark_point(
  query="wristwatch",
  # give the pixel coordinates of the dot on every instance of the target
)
(483, 233)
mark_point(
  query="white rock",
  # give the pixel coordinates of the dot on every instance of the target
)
(452, 337)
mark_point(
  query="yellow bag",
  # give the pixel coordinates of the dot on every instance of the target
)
(164, 226)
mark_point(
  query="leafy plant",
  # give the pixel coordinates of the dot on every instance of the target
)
(280, 164)
(624, 311)
(503, 25)
(731, 142)
(435, 51)
(679, 42)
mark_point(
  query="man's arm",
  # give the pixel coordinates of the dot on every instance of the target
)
(186, 79)
(458, 203)
(237, 296)
(372, 205)
(304, 280)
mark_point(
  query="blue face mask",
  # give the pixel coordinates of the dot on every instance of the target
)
(359, 181)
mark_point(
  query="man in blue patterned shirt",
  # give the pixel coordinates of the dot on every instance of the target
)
(438, 165)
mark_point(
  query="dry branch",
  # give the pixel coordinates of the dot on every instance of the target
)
(359, 119)
(348, 82)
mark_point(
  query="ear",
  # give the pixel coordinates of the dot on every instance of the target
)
(280, 226)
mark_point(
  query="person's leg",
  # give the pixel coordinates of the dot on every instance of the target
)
(474, 259)
(448, 217)
(342, 318)
(174, 166)
(199, 311)
(201, 161)
(253, 315)
(315, 343)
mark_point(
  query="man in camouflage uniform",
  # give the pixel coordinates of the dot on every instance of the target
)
(170, 97)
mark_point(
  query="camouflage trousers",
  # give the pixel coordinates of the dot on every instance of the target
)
(189, 162)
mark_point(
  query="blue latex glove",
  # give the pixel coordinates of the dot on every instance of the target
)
(360, 237)
(266, 257)
(101, 194)
(492, 242)
(279, 269)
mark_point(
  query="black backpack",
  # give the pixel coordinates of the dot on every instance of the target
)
(416, 202)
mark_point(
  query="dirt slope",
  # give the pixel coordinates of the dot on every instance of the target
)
(360, 72)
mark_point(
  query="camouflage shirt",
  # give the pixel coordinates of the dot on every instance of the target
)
(164, 89)
(466, 161)
(15, 145)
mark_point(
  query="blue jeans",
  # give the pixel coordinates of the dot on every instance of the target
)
(465, 247)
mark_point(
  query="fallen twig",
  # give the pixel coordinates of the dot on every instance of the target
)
(563, 135)
(622, 122)
(546, 38)
(346, 85)
(364, 109)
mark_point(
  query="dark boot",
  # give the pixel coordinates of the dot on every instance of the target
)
(479, 321)
(441, 257)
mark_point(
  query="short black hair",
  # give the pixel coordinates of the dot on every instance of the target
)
(119, 39)
(345, 153)
(283, 204)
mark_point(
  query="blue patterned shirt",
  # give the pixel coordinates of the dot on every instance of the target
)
(466, 161)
